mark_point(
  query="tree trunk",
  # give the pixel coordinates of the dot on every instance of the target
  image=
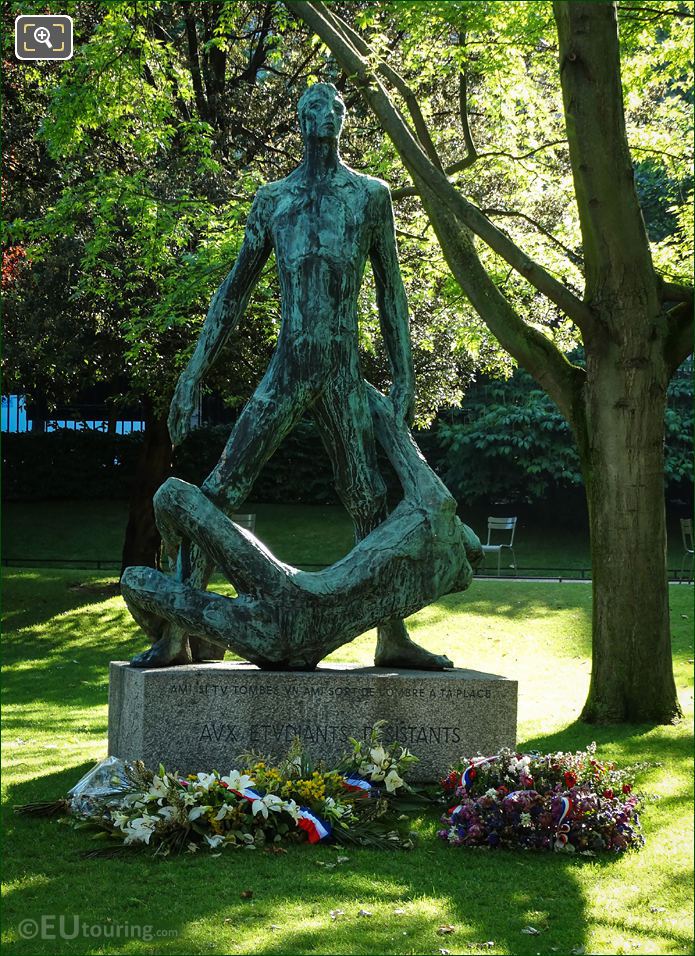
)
(142, 539)
(632, 672)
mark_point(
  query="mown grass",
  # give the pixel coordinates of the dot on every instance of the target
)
(303, 535)
(62, 632)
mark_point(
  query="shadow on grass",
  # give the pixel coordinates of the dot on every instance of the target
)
(435, 886)
(486, 895)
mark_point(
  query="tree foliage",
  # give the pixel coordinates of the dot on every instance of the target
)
(510, 443)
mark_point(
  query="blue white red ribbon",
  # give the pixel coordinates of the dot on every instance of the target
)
(566, 804)
(358, 784)
(316, 828)
(248, 793)
(477, 762)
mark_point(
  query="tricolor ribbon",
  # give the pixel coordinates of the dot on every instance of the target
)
(566, 804)
(316, 828)
(477, 762)
(248, 793)
(358, 784)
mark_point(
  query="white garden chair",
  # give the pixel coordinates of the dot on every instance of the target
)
(687, 535)
(501, 527)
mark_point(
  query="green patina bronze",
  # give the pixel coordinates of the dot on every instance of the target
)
(323, 221)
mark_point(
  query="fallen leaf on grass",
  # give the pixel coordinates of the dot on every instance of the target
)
(531, 931)
(274, 926)
(578, 951)
(334, 914)
(246, 894)
(398, 912)
(444, 952)
(341, 859)
(365, 913)
(446, 930)
(657, 909)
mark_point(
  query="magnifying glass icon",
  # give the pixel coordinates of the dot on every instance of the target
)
(43, 35)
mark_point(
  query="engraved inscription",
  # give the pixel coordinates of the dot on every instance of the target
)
(279, 733)
(317, 692)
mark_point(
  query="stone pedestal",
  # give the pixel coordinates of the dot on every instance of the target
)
(201, 716)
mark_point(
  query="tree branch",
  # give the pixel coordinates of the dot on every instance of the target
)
(362, 47)
(471, 151)
(464, 163)
(678, 343)
(657, 11)
(194, 65)
(675, 292)
(570, 253)
(420, 166)
(249, 73)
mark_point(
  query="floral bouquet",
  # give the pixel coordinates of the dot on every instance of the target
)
(264, 804)
(371, 764)
(563, 802)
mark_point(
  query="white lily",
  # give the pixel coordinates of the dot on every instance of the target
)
(378, 755)
(237, 781)
(204, 781)
(269, 802)
(215, 840)
(226, 810)
(167, 812)
(140, 829)
(119, 819)
(158, 788)
(378, 775)
(291, 807)
(335, 810)
(393, 781)
(196, 812)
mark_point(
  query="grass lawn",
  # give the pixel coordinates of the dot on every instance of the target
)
(299, 534)
(60, 637)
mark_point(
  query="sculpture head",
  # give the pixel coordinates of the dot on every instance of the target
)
(321, 112)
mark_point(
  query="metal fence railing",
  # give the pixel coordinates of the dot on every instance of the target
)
(561, 575)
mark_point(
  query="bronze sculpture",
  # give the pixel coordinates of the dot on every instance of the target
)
(323, 221)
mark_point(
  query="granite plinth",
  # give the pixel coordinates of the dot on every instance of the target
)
(201, 716)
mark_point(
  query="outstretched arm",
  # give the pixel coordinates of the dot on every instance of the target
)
(226, 308)
(393, 305)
